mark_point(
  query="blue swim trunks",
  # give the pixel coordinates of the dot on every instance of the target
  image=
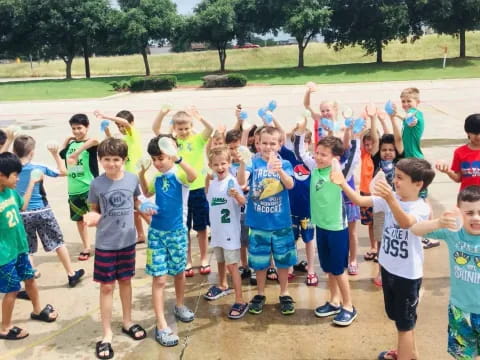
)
(12, 273)
(166, 252)
(463, 333)
(263, 244)
(303, 227)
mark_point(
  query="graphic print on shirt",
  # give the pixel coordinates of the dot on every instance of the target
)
(395, 241)
(470, 169)
(467, 263)
(266, 185)
(117, 203)
(301, 172)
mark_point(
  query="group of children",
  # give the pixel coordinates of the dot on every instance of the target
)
(265, 188)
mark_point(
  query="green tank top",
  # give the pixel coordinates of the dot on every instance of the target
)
(81, 174)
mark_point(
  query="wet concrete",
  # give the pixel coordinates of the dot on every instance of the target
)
(212, 335)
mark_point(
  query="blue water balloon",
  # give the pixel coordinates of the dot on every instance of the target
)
(327, 123)
(411, 118)
(268, 118)
(230, 185)
(349, 122)
(104, 125)
(261, 112)
(389, 107)
(147, 205)
(243, 115)
(358, 125)
(272, 105)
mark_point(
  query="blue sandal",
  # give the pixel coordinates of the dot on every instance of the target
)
(215, 293)
(240, 309)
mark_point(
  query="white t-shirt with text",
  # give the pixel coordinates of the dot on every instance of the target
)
(401, 251)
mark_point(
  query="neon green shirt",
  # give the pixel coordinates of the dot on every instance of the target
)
(134, 142)
(326, 202)
(412, 136)
(13, 240)
(80, 175)
(192, 150)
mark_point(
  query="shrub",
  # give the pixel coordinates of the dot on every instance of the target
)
(228, 80)
(123, 85)
(156, 83)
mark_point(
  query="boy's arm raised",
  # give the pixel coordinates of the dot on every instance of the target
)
(73, 158)
(397, 135)
(62, 170)
(374, 132)
(404, 220)
(143, 182)
(445, 221)
(157, 123)
(117, 120)
(207, 132)
(10, 138)
(356, 198)
(306, 104)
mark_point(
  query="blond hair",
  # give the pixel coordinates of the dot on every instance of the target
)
(411, 92)
(181, 117)
(334, 106)
(219, 151)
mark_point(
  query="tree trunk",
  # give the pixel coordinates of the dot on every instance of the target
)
(379, 47)
(86, 58)
(68, 62)
(145, 61)
(222, 54)
(462, 43)
(301, 50)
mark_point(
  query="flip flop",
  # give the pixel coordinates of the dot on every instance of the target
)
(13, 334)
(369, 255)
(272, 274)
(301, 266)
(189, 272)
(84, 256)
(205, 269)
(102, 347)
(44, 314)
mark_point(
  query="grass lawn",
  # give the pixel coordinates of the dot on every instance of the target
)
(273, 65)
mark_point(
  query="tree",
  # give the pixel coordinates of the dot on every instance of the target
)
(454, 17)
(372, 24)
(305, 19)
(214, 21)
(151, 19)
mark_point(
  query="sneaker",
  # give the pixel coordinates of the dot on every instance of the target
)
(327, 309)
(345, 317)
(253, 278)
(166, 337)
(183, 314)
(287, 306)
(256, 304)
(245, 273)
(75, 278)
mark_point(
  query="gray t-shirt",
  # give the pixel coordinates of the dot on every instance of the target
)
(116, 228)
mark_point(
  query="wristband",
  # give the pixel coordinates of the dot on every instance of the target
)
(179, 160)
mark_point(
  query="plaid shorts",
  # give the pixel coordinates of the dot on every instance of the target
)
(166, 252)
(12, 273)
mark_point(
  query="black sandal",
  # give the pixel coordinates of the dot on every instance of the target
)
(301, 266)
(13, 334)
(133, 330)
(44, 314)
(103, 347)
(272, 274)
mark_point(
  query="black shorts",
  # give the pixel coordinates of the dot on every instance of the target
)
(197, 210)
(401, 298)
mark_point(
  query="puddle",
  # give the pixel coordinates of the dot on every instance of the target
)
(31, 127)
(428, 143)
(4, 123)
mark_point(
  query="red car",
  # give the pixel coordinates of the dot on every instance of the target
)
(246, 46)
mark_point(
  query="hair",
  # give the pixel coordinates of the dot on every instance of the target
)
(418, 170)
(3, 137)
(219, 151)
(252, 131)
(153, 149)
(472, 124)
(181, 117)
(23, 145)
(308, 136)
(411, 92)
(9, 163)
(232, 136)
(218, 135)
(469, 194)
(387, 139)
(79, 119)
(113, 147)
(271, 131)
(334, 144)
(367, 136)
(127, 115)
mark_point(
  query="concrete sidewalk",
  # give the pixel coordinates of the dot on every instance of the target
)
(212, 335)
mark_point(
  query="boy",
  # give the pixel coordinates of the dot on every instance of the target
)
(192, 148)
(112, 199)
(463, 245)
(225, 198)
(328, 215)
(465, 167)
(233, 140)
(80, 154)
(269, 218)
(14, 264)
(38, 217)
(126, 125)
(401, 252)
(167, 236)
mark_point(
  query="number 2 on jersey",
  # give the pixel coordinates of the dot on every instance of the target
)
(225, 219)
